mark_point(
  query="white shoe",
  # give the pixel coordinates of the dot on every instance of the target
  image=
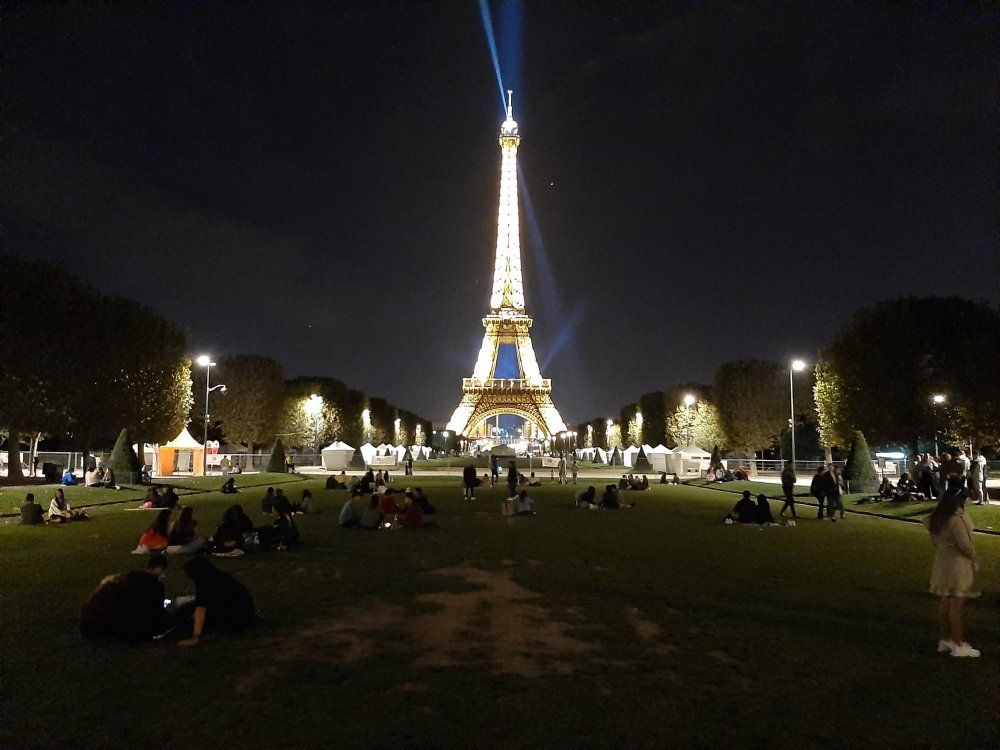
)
(965, 650)
(945, 647)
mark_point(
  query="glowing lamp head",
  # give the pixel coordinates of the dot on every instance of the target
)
(938, 398)
(313, 405)
(611, 423)
(204, 360)
(689, 400)
(798, 365)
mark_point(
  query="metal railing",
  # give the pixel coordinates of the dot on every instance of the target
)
(509, 384)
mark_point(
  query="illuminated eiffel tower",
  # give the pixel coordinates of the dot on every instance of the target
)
(484, 395)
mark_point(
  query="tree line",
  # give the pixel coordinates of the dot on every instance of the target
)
(80, 365)
(879, 376)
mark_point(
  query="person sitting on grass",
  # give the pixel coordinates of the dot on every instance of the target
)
(534, 481)
(389, 505)
(68, 478)
(338, 482)
(525, 505)
(108, 480)
(267, 502)
(305, 503)
(373, 516)
(906, 489)
(184, 538)
(233, 534)
(764, 510)
(32, 513)
(886, 490)
(156, 536)
(745, 509)
(221, 603)
(644, 483)
(128, 607)
(586, 498)
(286, 532)
(611, 500)
(229, 487)
(425, 505)
(60, 510)
(92, 477)
(348, 514)
(413, 518)
(623, 482)
(170, 499)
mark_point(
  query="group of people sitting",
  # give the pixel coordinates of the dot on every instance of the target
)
(747, 511)
(519, 504)
(95, 476)
(905, 490)
(160, 497)
(60, 511)
(367, 483)
(134, 607)
(383, 511)
(722, 474)
(235, 534)
(610, 500)
(633, 482)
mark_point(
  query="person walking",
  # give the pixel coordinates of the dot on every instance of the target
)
(574, 470)
(817, 488)
(494, 470)
(469, 480)
(954, 570)
(788, 488)
(562, 470)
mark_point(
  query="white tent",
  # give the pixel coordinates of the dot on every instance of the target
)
(688, 460)
(337, 456)
(368, 453)
(380, 449)
(400, 452)
(628, 455)
(658, 457)
(415, 452)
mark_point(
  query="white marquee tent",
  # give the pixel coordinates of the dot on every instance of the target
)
(687, 460)
(337, 455)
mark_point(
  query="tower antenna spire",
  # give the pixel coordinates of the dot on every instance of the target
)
(510, 104)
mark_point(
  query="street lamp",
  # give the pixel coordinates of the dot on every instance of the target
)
(689, 399)
(446, 452)
(937, 399)
(313, 407)
(607, 434)
(205, 361)
(797, 365)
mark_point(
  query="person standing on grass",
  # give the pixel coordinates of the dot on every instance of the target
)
(788, 487)
(562, 470)
(511, 479)
(817, 488)
(469, 480)
(954, 570)
(574, 470)
(494, 470)
(976, 482)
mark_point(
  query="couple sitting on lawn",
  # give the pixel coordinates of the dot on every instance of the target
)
(610, 500)
(748, 511)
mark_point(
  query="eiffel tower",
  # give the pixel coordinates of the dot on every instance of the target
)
(484, 395)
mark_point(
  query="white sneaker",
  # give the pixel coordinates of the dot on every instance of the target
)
(965, 650)
(945, 647)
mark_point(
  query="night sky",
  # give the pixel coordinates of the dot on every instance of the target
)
(318, 182)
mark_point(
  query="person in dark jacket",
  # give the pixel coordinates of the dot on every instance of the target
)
(611, 500)
(817, 488)
(267, 502)
(229, 487)
(831, 488)
(511, 479)
(745, 509)
(128, 607)
(221, 603)
(764, 510)
(232, 534)
(788, 488)
(32, 513)
(469, 480)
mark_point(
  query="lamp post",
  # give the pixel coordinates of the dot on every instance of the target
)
(446, 452)
(937, 399)
(205, 361)
(313, 407)
(607, 434)
(797, 365)
(688, 401)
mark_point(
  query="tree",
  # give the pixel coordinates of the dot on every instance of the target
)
(889, 360)
(716, 461)
(276, 462)
(752, 399)
(654, 418)
(123, 460)
(615, 459)
(252, 407)
(703, 419)
(859, 470)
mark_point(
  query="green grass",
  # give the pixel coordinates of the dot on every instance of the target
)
(651, 627)
(79, 496)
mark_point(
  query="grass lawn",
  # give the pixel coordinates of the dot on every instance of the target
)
(651, 627)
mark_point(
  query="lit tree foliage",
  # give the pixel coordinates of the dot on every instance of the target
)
(752, 399)
(705, 428)
(251, 409)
